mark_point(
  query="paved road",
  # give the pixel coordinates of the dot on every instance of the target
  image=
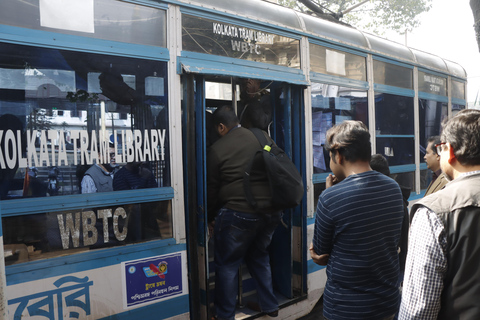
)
(316, 313)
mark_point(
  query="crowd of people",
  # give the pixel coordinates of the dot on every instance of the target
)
(383, 261)
(360, 224)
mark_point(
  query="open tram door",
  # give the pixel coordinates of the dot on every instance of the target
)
(202, 94)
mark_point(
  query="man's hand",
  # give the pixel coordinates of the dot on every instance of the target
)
(321, 260)
(331, 180)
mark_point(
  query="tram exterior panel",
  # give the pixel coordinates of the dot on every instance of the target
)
(128, 86)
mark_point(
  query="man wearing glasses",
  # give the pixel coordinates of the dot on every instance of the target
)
(432, 159)
(442, 274)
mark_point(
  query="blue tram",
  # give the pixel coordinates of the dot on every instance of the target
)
(126, 88)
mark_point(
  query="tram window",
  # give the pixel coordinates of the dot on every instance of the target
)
(330, 61)
(54, 152)
(425, 178)
(394, 115)
(397, 150)
(234, 41)
(431, 115)
(317, 190)
(405, 179)
(456, 108)
(458, 89)
(332, 105)
(392, 75)
(102, 19)
(431, 83)
(52, 234)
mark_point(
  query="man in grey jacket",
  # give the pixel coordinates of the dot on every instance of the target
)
(441, 276)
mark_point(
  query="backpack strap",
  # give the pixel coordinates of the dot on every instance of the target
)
(260, 137)
(247, 187)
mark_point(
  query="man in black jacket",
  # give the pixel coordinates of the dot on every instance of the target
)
(240, 233)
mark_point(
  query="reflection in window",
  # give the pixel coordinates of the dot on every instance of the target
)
(332, 105)
(405, 179)
(458, 89)
(64, 113)
(111, 20)
(72, 123)
(229, 40)
(392, 75)
(330, 61)
(431, 115)
(394, 121)
(52, 234)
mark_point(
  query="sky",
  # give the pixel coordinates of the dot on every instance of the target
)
(447, 31)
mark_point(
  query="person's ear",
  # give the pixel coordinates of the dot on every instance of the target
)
(221, 129)
(339, 158)
(451, 154)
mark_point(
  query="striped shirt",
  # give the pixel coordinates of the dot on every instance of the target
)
(358, 222)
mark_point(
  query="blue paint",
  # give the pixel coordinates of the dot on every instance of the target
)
(161, 310)
(54, 267)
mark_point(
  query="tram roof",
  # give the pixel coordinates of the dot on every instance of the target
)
(339, 33)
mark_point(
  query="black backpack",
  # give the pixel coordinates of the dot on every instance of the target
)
(285, 181)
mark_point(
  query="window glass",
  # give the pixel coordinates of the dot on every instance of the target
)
(394, 114)
(405, 179)
(394, 128)
(397, 150)
(392, 75)
(332, 105)
(51, 234)
(317, 190)
(230, 40)
(425, 178)
(338, 63)
(432, 83)
(431, 115)
(63, 111)
(456, 108)
(74, 122)
(458, 89)
(102, 19)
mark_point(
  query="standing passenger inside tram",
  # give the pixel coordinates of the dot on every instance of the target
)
(240, 232)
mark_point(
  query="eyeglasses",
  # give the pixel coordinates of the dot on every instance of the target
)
(439, 148)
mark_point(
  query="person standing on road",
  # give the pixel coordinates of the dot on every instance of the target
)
(432, 158)
(357, 230)
(442, 273)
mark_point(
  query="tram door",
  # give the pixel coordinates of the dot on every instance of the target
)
(202, 95)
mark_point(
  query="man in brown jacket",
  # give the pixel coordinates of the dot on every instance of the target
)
(439, 179)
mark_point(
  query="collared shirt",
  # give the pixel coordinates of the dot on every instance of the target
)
(425, 268)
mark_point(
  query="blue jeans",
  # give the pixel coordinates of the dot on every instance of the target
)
(243, 236)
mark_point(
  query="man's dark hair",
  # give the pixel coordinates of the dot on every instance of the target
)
(435, 140)
(351, 139)
(380, 163)
(226, 115)
(256, 115)
(462, 132)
